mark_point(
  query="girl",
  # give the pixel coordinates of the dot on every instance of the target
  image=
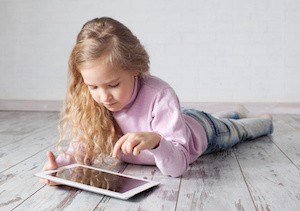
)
(114, 107)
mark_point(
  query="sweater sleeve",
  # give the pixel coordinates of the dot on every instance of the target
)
(67, 158)
(172, 155)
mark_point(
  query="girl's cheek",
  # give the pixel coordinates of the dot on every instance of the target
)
(95, 97)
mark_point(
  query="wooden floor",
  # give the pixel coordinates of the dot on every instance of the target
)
(260, 175)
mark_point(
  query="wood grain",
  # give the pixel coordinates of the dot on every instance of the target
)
(263, 174)
(272, 179)
(214, 182)
(14, 125)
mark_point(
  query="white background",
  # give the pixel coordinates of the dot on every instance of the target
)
(208, 50)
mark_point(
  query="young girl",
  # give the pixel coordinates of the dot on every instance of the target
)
(114, 107)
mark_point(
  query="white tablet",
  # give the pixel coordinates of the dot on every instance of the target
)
(98, 180)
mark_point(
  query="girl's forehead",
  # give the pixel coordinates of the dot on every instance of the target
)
(95, 63)
(103, 61)
(97, 66)
(100, 73)
(100, 69)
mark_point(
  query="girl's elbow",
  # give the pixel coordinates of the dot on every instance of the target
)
(176, 172)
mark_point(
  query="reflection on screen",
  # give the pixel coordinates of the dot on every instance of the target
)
(99, 179)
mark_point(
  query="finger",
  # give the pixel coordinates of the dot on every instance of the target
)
(51, 183)
(52, 160)
(137, 149)
(48, 182)
(45, 181)
(130, 145)
(118, 145)
(51, 164)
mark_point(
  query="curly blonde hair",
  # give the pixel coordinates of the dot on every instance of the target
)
(90, 125)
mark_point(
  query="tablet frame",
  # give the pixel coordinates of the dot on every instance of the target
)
(124, 196)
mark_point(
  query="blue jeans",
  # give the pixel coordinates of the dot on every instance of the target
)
(226, 129)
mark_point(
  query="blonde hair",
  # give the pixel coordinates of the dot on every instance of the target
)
(91, 125)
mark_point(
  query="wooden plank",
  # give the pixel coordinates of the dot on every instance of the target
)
(31, 105)
(22, 121)
(63, 198)
(16, 152)
(287, 136)
(18, 183)
(17, 125)
(49, 198)
(214, 182)
(271, 172)
(296, 119)
(162, 197)
(272, 179)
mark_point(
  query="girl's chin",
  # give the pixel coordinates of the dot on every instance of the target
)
(114, 107)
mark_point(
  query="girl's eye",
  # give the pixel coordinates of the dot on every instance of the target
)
(92, 87)
(114, 85)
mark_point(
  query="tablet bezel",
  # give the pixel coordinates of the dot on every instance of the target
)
(124, 196)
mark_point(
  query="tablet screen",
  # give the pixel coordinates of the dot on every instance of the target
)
(99, 179)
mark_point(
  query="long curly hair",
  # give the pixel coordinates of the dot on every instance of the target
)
(88, 125)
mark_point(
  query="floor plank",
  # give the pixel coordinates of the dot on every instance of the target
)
(207, 184)
(15, 125)
(263, 174)
(49, 198)
(272, 179)
(19, 183)
(16, 152)
(287, 137)
(163, 197)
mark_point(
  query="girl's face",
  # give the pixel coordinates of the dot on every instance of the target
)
(108, 86)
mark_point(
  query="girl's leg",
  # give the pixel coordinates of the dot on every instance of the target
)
(228, 132)
(225, 133)
(226, 115)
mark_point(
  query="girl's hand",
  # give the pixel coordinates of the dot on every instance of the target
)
(50, 165)
(134, 143)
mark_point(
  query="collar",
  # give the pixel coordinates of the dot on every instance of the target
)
(134, 93)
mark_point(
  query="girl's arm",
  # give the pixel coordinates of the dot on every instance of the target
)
(134, 143)
(67, 158)
(173, 154)
(169, 140)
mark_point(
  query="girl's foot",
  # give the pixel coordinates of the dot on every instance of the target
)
(265, 116)
(243, 112)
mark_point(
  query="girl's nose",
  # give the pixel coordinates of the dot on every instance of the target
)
(108, 98)
(105, 97)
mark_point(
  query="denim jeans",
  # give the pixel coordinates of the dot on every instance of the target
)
(226, 129)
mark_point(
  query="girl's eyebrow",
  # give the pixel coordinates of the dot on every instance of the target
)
(110, 82)
(113, 81)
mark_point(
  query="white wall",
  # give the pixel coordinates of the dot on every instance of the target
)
(208, 50)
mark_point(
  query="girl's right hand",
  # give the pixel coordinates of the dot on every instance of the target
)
(50, 165)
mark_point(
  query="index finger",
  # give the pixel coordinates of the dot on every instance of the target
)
(118, 146)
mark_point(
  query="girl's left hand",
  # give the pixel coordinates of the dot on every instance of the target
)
(134, 143)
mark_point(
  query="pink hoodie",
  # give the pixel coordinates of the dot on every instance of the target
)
(154, 106)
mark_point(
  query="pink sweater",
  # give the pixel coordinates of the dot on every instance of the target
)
(154, 106)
